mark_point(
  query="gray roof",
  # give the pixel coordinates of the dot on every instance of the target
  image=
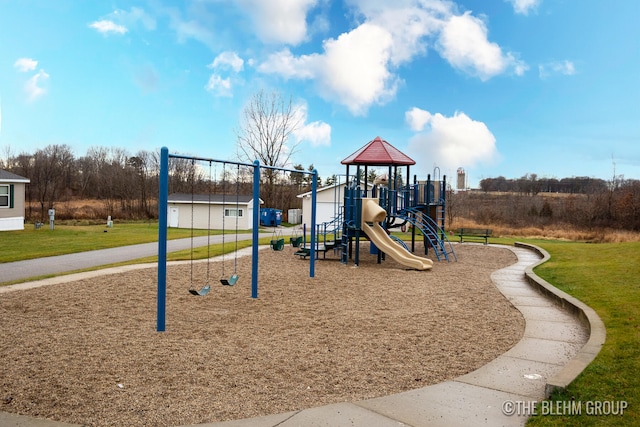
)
(228, 199)
(330, 187)
(6, 176)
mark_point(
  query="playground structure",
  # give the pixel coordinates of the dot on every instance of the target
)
(369, 212)
(373, 213)
(419, 206)
(163, 208)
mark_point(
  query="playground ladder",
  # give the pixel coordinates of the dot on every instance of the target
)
(435, 236)
(344, 248)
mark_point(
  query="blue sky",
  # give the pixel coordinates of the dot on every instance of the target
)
(499, 88)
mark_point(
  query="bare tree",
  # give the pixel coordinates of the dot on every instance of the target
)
(266, 133)
(50, 167)
(267, 127)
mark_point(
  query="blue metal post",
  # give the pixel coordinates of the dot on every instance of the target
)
(304, 234)
(314, 185)
(255, 230)
(163, 198)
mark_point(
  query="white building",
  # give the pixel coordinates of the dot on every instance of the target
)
(202, 211)
(329, 203)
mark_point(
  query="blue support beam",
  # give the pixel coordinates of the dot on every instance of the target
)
(162, 239)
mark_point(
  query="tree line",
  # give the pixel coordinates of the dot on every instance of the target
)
(578, 202)
(532, 184)
(126, 185)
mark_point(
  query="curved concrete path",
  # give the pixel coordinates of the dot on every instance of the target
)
(551, 353)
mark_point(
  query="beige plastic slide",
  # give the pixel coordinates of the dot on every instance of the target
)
(373, 213)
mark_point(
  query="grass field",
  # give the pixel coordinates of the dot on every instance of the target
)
(67, 239)
(605, 276)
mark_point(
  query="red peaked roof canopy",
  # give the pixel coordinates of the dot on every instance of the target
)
(378, 153)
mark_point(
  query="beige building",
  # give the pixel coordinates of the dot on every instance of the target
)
(12, 196)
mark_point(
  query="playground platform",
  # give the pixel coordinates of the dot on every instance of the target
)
(562, 336)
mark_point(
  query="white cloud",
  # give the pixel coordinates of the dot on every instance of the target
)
(134, 16)
(417, 118)
(355, 71)
(463, 43)
(186, 30)
(408, 22)
(359, 68)
(219, 86)
(105, 26)
(566, 68)
(228, 60)
(523, 7)
(25, 64)
(452, 142)
(285, 64)
(279, 21)
(120, 21)
(317, 134)
(352, 70)
(34, 86)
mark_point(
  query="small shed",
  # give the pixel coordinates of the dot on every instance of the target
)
(329, 203)
(202, 211)
(12, 200)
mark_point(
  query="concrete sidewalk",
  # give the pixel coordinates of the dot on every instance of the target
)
(21, 270)
(501, 393)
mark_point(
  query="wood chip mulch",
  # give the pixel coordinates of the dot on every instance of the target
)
(87, 352)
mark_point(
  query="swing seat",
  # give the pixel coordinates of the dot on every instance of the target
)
(295, 241)
(230, 281)
(202, 292)
(277, 244)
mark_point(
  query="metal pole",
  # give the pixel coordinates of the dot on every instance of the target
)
(314, 185)
(162, 238)
(255, 229)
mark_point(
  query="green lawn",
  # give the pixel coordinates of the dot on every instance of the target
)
(66, 239)
(607, 278)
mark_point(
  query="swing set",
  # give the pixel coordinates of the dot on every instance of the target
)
(233, 279)
(163, 207)
(207, 287)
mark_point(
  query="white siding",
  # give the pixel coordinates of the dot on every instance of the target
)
(205, 216)
(9, 224)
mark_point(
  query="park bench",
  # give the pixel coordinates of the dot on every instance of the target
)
(475, 234)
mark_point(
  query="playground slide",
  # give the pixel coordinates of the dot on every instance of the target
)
(372, 212)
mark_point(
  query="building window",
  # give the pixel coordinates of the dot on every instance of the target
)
(234, 213)
(4, 196)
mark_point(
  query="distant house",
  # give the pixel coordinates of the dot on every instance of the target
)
(12, 195)
(202, 211)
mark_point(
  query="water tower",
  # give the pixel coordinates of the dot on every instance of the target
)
(462, 179)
